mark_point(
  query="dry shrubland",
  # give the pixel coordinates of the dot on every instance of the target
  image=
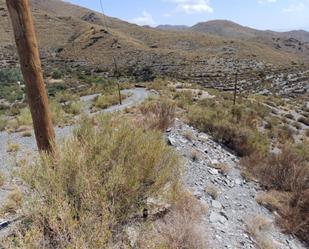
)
(98, 181)
(234, 126)
(288, 172)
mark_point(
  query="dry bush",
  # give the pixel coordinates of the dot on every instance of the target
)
(159, 114)
(99, 180)
(222, 167)
(213, 191)
(273, 200)
(194, 155)
(257, 228)
(13, 203)
(287, 171)
(12, 147)
(188, 135)
(181, 228)
(296, 218)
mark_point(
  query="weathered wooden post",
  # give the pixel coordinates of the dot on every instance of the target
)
(28, 51)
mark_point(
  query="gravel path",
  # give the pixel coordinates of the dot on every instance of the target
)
(235, 205)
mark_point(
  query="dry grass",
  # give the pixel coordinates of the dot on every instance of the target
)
(13, 203)
(194, 155)
(222, 167)
(273, 200)
(159, 114)
(257, 228)
(188, 135)
(213, 191)
(106, 100)
(2, 179)
(12, 147)
(3, 123)
(180, 229)
(99, 180)
(26, 134)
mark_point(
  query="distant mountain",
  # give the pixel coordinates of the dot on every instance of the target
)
(173, 27)
(226, 29)
(301, 35)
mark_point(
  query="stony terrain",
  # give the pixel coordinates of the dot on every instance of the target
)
(234, 210)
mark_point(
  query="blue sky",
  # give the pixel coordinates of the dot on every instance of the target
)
(280, 15)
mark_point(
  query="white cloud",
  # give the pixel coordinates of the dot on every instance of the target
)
(267, 1)
(145, 19)
(192, 6)
(294, 7)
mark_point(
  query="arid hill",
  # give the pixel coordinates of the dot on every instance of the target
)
(69, 34)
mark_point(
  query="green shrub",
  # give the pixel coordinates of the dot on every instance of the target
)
(99, 180)
(57, 75)
(10, 75)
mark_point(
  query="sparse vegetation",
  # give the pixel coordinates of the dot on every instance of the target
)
(287, 172)
(235, 127)
(82, 196)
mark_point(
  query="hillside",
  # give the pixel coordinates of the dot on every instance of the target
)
(78, 37)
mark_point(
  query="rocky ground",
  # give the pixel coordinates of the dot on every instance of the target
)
(212, 170)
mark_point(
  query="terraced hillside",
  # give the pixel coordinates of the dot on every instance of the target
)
(79, 37)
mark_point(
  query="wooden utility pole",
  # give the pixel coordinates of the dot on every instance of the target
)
(28, 51)
(235, 87)
(116, 73)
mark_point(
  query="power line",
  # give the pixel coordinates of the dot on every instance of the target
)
(104, 16)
